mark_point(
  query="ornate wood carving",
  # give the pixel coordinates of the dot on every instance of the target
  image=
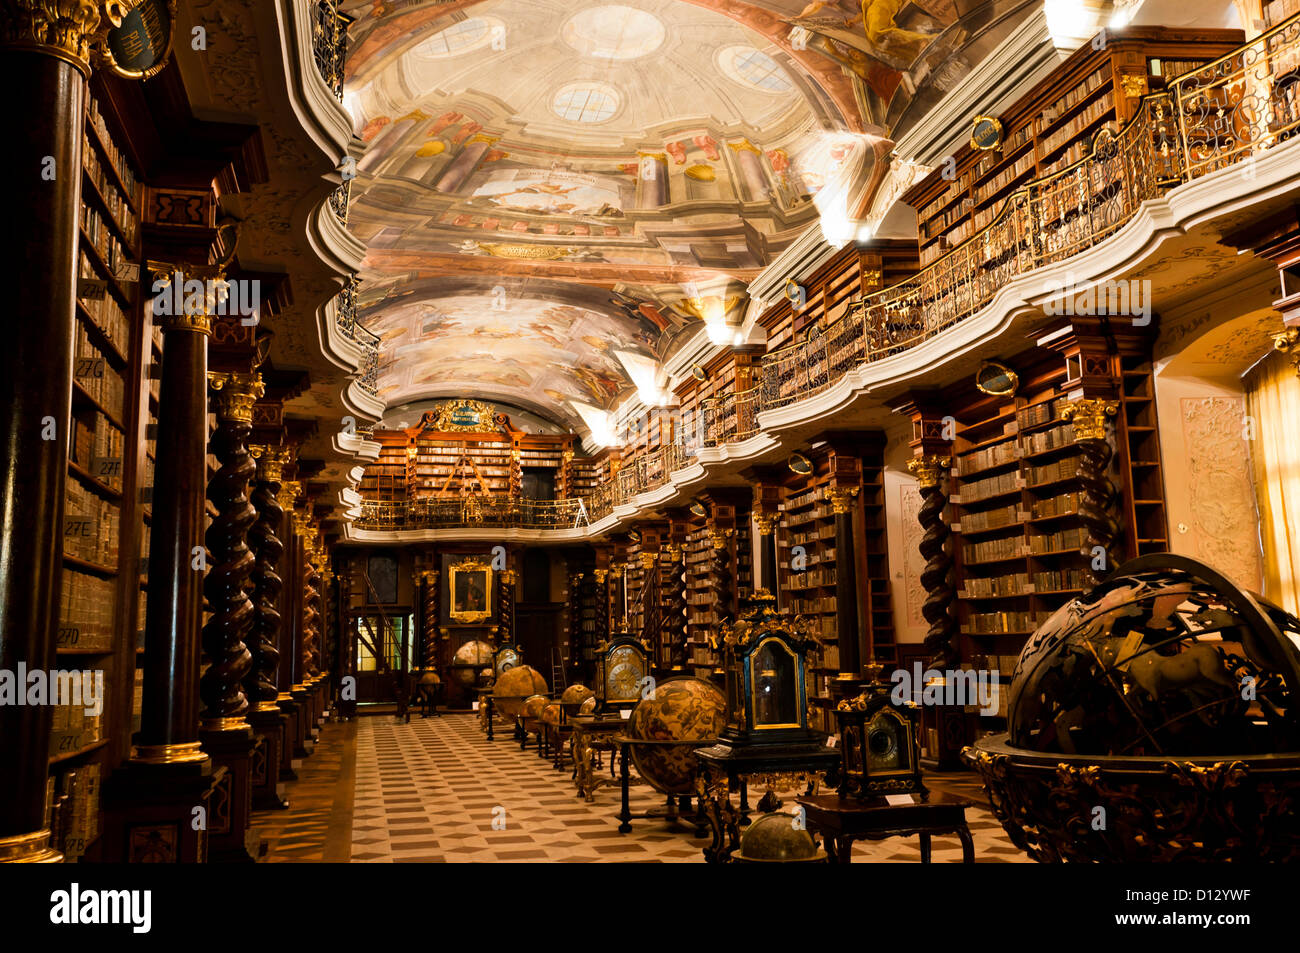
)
(1097, 494)
(263, 538)
(675, 631)
(937, 579)
(232, 562)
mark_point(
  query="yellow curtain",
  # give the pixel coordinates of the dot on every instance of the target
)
(1273, 401)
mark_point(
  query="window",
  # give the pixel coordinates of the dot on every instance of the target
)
(459, 38)
(749, 67)
(585, 102)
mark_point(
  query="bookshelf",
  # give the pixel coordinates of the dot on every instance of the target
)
(1051, 127)
(701, 600)
(113, 407)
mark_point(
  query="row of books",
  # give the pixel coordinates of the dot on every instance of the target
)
(991, 519)
(115, 155)
(1062, 469)
(87, 612)
(72, 729)
(993, 456)
(115, 256)
(1061, 505)
(803, 517)
(1095, 110)
(72, 810)
(1055, 580)
(96, 377)
(812, 605)
(1078, 93)
(1047, 439)
(995, 623)
(91, 525)
(803, 499)
(808, 537)
(117, 204)
(986, 487)
(812, 578)
(1013, 171)
(103, 308)
(97, 447)
(990, 549)
(1009, 585)
(1040, 413)
(1065, 539)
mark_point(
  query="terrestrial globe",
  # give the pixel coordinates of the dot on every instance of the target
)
(682, 709)
(513, 686)
(467, 661)
(775, 838)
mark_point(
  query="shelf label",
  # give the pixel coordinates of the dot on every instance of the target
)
(78, 526)
(106, 468)
(92, 288)
(90, 367)
(68, 635)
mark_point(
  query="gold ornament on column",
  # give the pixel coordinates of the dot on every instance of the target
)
(1088, 414)
(841, 498)
(64, 29)
(929, 470)
(1288, 342)
(236, 394)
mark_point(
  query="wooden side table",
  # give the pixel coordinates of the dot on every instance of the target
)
(842, 820)
(592, 734)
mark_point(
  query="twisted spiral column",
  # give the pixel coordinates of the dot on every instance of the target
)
(220, 688)
(263, 537)
(677, 633)
(1097, 494)
(430, 619)
(937, 578)
(310, 611)
(722, 579)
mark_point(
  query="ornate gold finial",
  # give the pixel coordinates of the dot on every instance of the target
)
(1089, 417)
(841, 498)
(236, 395)
(929, 469)
(270, 461)
(1288, 342)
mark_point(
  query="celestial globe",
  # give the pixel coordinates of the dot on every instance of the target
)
(681, 709)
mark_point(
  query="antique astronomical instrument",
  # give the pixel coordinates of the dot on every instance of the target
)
(573, 698)
(513, 686)
(506, 657)
(622, 665)
(469, 661)
(667, 726)
(1165, 698)
(777, 839)
(879, 745)
(765, 658)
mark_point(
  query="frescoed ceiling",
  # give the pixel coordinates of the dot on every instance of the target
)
(548, 183)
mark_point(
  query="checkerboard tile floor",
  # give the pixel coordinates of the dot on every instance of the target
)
(435, 790)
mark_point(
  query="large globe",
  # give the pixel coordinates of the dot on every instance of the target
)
(573, 698)
(513, 686)
(1166, 660)
(778, 838)
(681, 709)
(533, 706)
(469, 658)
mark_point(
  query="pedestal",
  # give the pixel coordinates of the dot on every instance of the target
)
(230, 837)
(159, 813)
(268, 791)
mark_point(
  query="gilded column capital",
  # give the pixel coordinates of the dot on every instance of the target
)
(929, 469)
(648, 560)
(64, 29)
(718, 537)
(841, 498)
(600, 575)
(270, 461)
(1088, 414)
(766, 524)
(290, 490)
(617, 570)
(236, 394)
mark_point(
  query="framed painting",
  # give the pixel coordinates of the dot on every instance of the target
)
(470, 597)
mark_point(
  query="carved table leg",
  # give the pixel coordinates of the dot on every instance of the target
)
(625, 815)
(925, 848)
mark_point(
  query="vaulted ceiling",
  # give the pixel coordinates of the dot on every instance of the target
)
(556, 193)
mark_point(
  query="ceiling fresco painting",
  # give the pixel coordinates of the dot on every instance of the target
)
(599, 163)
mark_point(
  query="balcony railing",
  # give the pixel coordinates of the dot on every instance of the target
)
(330, 43)
(473, 511)
(345, 318)
(1217, 115)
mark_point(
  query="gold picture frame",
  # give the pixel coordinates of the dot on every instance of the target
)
(470, 591)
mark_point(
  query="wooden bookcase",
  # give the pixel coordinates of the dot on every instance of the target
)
(1052, 127)
(106, 501)
(701, 602)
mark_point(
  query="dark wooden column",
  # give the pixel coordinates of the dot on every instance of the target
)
(676, 633)
(261, 684)
(289, 622)
(767, 501)
(224, 728)
(47, 81)
(1098, 495)
(848, 629)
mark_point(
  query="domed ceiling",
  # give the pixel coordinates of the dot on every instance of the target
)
(555, 193)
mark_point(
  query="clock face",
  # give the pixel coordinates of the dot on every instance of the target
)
(624, 678)
(883, 748)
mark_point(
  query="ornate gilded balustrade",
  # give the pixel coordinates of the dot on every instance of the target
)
(1218, 115)
(330, 43)
(473, 511)
(345, 318)
(729, 417)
